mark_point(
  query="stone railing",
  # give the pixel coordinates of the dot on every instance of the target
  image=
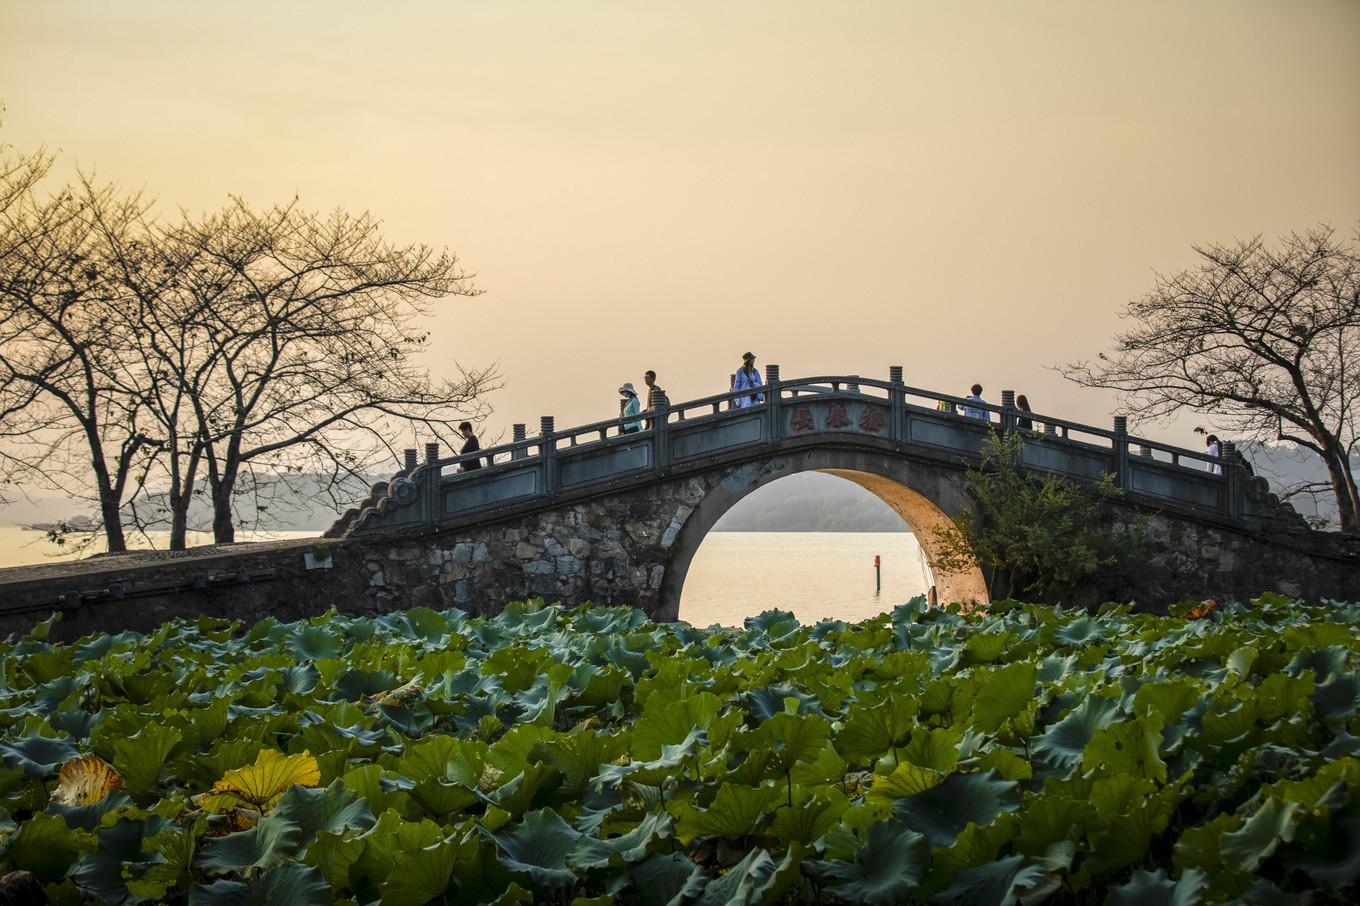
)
(535, 471)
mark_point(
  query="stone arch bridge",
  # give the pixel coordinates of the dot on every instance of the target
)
(593, 513)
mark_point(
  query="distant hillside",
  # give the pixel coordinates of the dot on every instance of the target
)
(811, 502)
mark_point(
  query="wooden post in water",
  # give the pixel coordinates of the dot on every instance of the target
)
(878, 574)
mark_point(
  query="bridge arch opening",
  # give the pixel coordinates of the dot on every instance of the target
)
(911, 557)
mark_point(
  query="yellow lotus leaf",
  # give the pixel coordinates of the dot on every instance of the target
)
(260, 785)
(85, 780)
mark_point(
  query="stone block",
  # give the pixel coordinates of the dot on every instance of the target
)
(526, 551)
(578, 547)
(481, 553)
(540, 568)
(462, 552)
(570, 566)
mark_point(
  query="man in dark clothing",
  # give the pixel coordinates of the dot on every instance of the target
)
(470, 445)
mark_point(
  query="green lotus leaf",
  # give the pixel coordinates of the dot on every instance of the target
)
(100, 872)
(936, 749)
(943, 811)
(790, 739)
(300, 678)
(870, 730)
(538, 846)
(270, 842)
(525, 790)
(1081, 631)
(1339, 696)
(736, 812)
(658, 769)
(1005, 882)
(907, 779)
(1324, 662)
(166, 861)
(1261, 834)
(1129, 747)
(1154, 888)
(814, 812)
(1170, 698)
(768, 701)
(773, 625)
(1333, 859)
(755, 879)
(634, 846)
(291, 884)
(421, 876)
(885, 870)
(333, 854)
(314, 643)
(1126, 839)
(90, 817)
(1003, 694)
(975, 847)
(668, 722)
(46, 846)
(661, 880)
(382, 842)
(355, 684)
(140, 757)
(578, 756)
(38, 756)
(1064, 742)
(332, 810)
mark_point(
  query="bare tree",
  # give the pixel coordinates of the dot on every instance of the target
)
(239, 356)
(284, 344)
(70, 414)
(1264, 340)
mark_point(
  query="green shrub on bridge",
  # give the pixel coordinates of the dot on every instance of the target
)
(1039, 537)
(1022, 754)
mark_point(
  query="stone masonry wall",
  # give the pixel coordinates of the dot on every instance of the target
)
(614, 549)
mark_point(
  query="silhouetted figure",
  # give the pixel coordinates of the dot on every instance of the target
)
(1023, 422)
(1215, 449)
(470, 445)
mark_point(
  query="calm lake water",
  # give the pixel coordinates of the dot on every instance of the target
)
(816, 575)
(734, 575)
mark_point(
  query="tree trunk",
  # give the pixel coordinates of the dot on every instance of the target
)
(179, 520)
(113, 521)
(224, 525)
(1343, 488)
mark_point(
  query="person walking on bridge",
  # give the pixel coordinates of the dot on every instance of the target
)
(470, 445)
(974, 411)
(1024, 422)
(629, 405)
(747, 378)
(653, 392)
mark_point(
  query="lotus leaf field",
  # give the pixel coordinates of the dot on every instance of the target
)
(1019, 755)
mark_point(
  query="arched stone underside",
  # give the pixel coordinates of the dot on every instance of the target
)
(926, 498)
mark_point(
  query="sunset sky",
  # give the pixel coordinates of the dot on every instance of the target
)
(973, 190)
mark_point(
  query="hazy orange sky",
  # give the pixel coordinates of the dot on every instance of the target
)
(973, 190)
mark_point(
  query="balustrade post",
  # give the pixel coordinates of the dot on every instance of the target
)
(1007, 411)
(1231, 505)
(409, 456)
(1121, 451)
(661, 431)
(772, 408)
(519, 432)
(547, 451)
(897, 405)
(1145, 451)
(731, 388)
(429, 477)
